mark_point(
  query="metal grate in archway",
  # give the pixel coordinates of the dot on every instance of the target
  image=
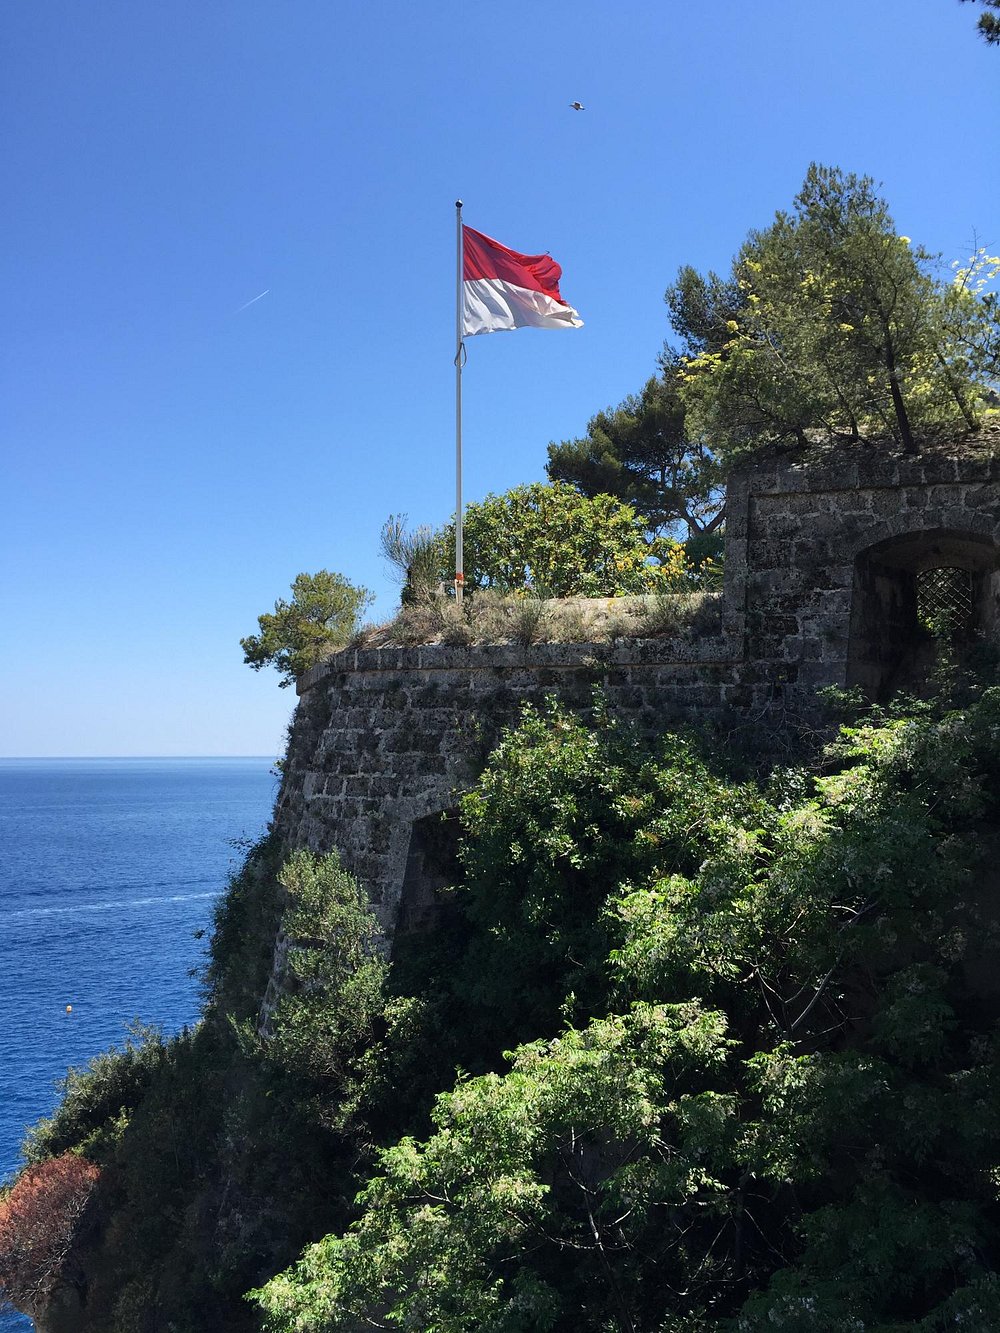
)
(944, 600)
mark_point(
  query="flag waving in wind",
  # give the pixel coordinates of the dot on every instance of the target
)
(502, 289)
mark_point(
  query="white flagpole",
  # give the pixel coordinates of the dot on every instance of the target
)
(459, 352)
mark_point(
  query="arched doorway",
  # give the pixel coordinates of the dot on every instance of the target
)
(431, 866)
(909, 593)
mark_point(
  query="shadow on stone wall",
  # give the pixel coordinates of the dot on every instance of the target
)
(431, 867)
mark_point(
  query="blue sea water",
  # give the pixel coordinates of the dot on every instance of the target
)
(108, 867)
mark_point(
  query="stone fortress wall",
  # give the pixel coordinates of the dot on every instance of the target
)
(825, 562)
(826, 565)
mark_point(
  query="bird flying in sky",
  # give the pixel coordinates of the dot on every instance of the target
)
(577, 106)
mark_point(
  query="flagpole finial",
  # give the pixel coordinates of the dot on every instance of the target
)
(458, 203)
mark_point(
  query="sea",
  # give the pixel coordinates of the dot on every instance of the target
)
(109, 870)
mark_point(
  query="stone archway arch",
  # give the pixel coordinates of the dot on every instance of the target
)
(416, 850)
(953, 519)
(431, 866)
(890, 642)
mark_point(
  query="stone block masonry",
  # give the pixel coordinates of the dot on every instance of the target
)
(384, 738)
(825, 559)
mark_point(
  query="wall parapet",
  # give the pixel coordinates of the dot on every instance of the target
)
(848, 468)
(387, 737)
(437, 657)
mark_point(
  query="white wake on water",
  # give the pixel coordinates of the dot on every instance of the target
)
(107, 907)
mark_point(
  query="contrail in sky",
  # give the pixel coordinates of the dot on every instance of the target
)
(253, 302)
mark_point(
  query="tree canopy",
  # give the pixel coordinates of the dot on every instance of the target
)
(321, 617)
(832, 322)
(642, 453)
(553, 540)
(557, 541)
(989, 23)
(829, 324)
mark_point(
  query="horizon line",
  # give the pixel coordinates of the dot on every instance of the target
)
(4, 758)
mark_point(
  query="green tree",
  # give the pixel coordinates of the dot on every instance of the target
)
(642, 453)
(321, 617)
(527, 1205)
(702, 310)
(842, 328)
(333, 974)
(563, 812)
(555, 541)
(989, 24)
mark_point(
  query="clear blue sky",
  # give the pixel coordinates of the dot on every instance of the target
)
(173, 460)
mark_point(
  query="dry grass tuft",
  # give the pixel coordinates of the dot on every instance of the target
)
(488, 617)
(669, 614)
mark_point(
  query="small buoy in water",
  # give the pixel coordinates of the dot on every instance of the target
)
(69, 1008)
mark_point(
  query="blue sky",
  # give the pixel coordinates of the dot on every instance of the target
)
(172, 460)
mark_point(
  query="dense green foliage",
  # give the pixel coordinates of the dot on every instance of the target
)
(321, 617)
(333, 977)
(832, 321)
(775, 1104)
(463, 1231)
(752, 1080)
(641, 452)
(246, 920)
(554, 541)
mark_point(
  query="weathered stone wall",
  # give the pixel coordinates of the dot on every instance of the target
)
(822, 560)
(386, 737)
(808, 544)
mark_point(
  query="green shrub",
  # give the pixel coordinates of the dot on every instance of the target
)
(332, 984)
(97, 1101)
(555, 541)
(246, 918)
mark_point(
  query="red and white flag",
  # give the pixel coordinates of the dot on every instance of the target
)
(502, 289)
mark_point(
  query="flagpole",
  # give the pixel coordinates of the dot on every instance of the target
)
(459, 350)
